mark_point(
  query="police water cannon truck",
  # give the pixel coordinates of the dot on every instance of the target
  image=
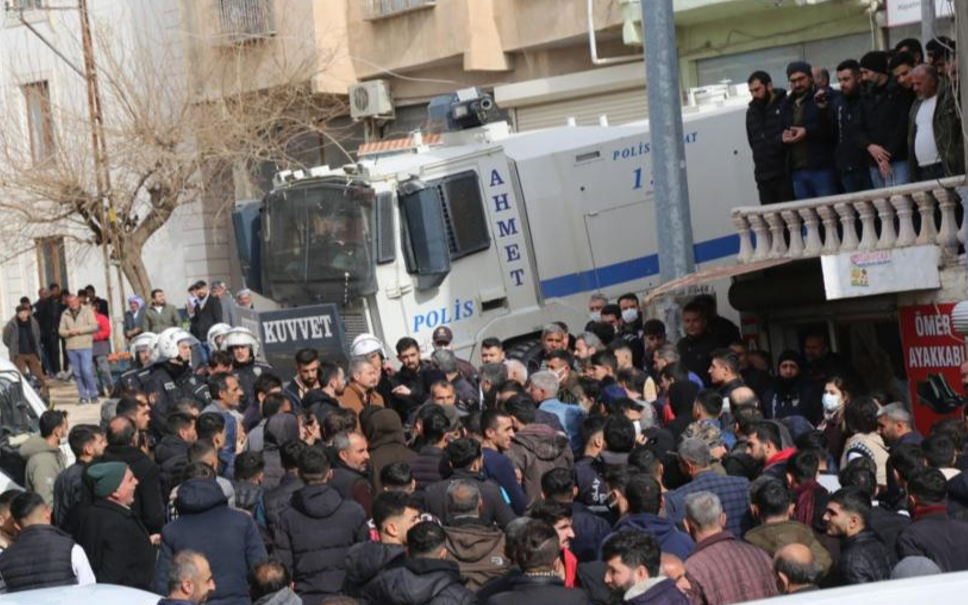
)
(486, 232)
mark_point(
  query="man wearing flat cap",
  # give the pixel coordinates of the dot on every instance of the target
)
(116, 543)
(883, 126)
(809, 134)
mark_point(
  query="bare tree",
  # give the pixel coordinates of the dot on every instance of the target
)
(167, 148)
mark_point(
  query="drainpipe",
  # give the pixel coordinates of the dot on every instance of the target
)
(593, 43)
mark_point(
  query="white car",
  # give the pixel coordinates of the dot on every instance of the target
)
(93, 594)
(20, 411)
(926, 590)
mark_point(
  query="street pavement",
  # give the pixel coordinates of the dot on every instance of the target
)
(63, 394)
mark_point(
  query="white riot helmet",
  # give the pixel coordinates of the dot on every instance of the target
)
(167, 345)
(241, 337)
(214, 333)
(145, 340)
(366, 344)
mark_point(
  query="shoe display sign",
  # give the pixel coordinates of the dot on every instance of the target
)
(933, 354)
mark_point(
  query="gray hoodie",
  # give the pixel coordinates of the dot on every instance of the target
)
(44, 463)
(283, 597)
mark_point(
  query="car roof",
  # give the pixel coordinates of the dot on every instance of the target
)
(92, 594)
(943, 588)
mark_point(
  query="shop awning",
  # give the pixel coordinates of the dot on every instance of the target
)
(715, 273)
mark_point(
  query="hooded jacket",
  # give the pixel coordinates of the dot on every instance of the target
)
(171, 456)
(535, 450)
(477, 549)
(278, 499)
(384, 432)
(313, 538)
(671, 539)
(228, 538)
(282, 597)
(365, 562)
(279, 429)
(420, 582)
(44, 463)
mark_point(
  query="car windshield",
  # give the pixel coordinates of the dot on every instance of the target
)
(16, 415)
(321, 237)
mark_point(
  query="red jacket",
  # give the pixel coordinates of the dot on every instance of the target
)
(103, 327)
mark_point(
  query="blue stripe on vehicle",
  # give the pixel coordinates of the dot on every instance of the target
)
(633, 269)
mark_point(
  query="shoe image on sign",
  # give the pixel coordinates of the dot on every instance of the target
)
(936, 393)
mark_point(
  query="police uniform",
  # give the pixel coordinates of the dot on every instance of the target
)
(167, 385)
(132, 380)
(247, 373)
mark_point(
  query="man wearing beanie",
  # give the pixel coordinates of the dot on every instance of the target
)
(809, 134)
(883, 125)
(116, 543)
(792, 393)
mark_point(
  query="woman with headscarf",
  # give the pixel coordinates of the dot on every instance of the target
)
(132, 317)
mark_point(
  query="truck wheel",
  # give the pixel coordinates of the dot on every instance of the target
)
(524, 350)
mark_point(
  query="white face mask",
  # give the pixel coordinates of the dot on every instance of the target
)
(595, 316)
(630, 315)
(831, 402)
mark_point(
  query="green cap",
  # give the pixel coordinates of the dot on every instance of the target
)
(107, 477)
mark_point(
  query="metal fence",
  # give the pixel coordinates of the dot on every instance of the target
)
(242, 20)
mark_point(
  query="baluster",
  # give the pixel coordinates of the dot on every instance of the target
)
(794, 228)
(888, 234)
(846, 212)
(779, 247)
(905, 218)
(762, 233)
(812, 221)
(929, 231)
(868, 228)
(831, 242)
(745, 244)
(948, 235)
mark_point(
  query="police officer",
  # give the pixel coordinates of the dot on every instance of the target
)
(216, 334)
(244, 348)
(141, 349)
(172, 379)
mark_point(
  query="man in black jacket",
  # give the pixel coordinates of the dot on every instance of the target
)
(148, 504)
(882, 131)
(411, 385)
(590, 530)
(116, 542)
(425, 576)
(351, 469)
(467, 460)
(851, 157)
(932, 533)
(537, 553)
(809, 134)
(763, 130)
(206, 313)
(697, 346)
(863, 557)
(316, 532)
(394, 513)
(88, 443)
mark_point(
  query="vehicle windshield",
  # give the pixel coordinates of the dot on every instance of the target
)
(16, 415)
(320, 242)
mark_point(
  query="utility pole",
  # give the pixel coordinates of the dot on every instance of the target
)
(102, 168)
(961, 35)
(673, 224)
(927, 20)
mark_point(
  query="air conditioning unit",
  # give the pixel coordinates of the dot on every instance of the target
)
(371, 100)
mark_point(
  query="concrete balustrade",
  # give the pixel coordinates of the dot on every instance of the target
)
(879, 219)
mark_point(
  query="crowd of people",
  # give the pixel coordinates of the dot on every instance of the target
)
(893, 119)
(608, 466)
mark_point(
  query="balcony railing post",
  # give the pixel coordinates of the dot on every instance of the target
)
(745, 244)
(905, 219)
(762, 232)
(779, 247)
(794, 228)
(831, 241)
(948, 234)
(888, 234)
(929, 231)
(846, 212)
(868, 228)
(812, 221)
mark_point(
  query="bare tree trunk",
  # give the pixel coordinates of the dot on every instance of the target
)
(134, 269)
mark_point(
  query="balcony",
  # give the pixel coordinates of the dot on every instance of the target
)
(880, 219)
(242, 21)
(382, 9)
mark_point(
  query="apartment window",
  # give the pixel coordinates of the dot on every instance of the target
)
(379, 9)
(52, 261)
(242, 20)
(40, 121)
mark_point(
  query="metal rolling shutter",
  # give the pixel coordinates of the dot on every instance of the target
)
(621, 107)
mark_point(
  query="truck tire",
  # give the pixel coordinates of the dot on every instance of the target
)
(524, 350)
